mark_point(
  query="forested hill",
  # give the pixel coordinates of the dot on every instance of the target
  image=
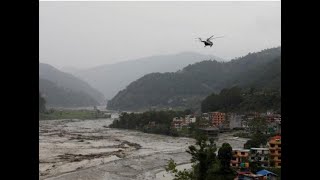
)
(56, 96)
(68, 81)
(243, 100)
(111, 78)
(188, 87)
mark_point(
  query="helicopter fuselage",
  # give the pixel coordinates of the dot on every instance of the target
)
(207, 43)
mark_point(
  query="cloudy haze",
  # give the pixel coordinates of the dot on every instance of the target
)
(87, 34)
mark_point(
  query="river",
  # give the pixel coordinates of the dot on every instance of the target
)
(89, 150)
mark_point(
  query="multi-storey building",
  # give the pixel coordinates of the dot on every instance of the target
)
(217, 118)
(275, 151)
(235, 120)
(260, 155)
(190, 119)
(239, 156)
(177, 123)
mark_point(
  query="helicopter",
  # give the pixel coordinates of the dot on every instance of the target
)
(208, 42)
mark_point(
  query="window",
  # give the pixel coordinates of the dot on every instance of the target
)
(279, 145)
(279, 157)
(242, 153)
(272, 145)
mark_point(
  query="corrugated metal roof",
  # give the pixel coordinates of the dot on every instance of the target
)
(265, 172)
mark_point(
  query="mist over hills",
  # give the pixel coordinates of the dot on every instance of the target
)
(111, 78)
(187, 87)
(65, 90)
(56, 96)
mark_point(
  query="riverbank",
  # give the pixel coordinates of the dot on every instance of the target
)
(86, 149)
(54, 114)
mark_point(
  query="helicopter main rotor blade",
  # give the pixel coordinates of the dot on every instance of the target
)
(210, 38)
(218, 37)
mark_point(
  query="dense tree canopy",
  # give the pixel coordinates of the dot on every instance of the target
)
(237, 99)
(225, 156)
(158, 122)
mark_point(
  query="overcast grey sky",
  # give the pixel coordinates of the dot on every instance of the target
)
(88, 34)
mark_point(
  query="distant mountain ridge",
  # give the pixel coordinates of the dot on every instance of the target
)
(111, 78)
(56, 96)
(187, 87)
(63, 89)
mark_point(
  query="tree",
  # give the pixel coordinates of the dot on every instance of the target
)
(187, 111)
(251, 144)
(225, 156)
(203, 159)
(206, 165)
(257, 125)
(179, 175)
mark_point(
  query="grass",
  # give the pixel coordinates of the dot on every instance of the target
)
(71, 114)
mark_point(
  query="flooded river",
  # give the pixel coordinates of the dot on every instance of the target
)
(89, 150)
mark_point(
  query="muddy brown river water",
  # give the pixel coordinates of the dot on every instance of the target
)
(89, 150)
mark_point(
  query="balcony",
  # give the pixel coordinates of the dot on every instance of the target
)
(234, 162)
(275, 153)
(274, 142)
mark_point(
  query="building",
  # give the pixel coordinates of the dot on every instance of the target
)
(244, 123)
(151, 124)
(273, 117)
(240, 156)
(190, 119)
(235, 120)
(205, 116)
(210, 132)
(260, 155)
(275, 151)
(177, 122)
(278, 127)
(217, 118)
(252, 115)
(248, 176)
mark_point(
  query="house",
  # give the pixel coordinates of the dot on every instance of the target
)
(267, 174)
(205, 116)
(190, 119)
(177, 122)
(260, 155)
(275, 151)
(240, 156)
(151, 124)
